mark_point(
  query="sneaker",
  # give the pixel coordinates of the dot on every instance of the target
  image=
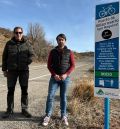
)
(65, 120)
(7, 114)
(26, 113)
(46, 120)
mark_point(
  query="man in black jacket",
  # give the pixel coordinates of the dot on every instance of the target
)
(17, 55)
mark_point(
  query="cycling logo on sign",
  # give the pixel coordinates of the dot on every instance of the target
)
(106, 34)
(107, 11)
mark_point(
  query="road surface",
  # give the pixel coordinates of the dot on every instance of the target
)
(38, 87)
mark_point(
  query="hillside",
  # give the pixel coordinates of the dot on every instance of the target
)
(81, 55)
(5, 35)
(5, 32)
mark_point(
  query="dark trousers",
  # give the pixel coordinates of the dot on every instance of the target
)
(12, 77)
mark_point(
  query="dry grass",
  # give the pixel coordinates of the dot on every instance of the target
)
(91, 70)
(3, 40)
(1, 51)
(84, 107)
(84, 89)
(87, 111)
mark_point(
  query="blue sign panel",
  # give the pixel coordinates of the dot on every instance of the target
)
(106, 10)
(107, 83)
(107, 55)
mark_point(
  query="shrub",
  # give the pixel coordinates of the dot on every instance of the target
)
(84, 89)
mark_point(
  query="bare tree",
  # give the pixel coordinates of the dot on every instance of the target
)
(36, 36)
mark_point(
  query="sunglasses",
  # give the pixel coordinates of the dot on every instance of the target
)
(18, 32)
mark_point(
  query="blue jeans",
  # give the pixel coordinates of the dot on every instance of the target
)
(53, 86)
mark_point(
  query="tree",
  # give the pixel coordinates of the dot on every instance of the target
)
(36, 36)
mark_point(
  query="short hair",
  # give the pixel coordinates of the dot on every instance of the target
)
(17, 27)
(62, 36)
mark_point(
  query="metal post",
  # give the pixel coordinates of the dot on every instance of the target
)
(107, 113)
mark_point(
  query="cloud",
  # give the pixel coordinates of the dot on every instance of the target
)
(40, 4)
(7, 2)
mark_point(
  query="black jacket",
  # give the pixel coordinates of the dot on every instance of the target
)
(17, 55)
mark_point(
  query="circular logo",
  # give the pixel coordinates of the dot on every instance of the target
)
(106, 34)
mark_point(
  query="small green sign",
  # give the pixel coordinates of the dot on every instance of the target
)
(100, 92)
(106, 74)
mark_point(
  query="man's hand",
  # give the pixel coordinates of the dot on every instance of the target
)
(57, 77)
(63, 77)
(5, 73)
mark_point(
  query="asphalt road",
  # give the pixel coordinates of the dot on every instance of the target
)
(38, 87)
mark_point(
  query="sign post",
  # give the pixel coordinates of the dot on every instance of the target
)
(107, 65)
(107, 113)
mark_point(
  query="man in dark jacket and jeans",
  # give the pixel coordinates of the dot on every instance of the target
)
(17, 55)
(60, 64)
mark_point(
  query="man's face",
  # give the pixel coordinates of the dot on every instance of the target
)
(18, 34)
(61, 42)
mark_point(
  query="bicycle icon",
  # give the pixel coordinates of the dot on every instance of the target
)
(107, 11)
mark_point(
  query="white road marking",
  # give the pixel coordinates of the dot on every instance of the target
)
(40, 66)
(39, 77)
(31, 68)
(31, 79)
(50, 74)
(2, 85)
(37, 66)
(81, 65)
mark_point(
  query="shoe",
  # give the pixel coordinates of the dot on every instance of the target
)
(46, 120)
(26, 113)
(7, 114)
(65, 120)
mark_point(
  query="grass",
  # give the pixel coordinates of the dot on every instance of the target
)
(91, 70)
(83, 107)
(84, 89)
(87, 111)
(1, 51)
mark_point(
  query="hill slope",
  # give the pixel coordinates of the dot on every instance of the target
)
(5, 35)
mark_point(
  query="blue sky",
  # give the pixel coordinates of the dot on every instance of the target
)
(74, 18)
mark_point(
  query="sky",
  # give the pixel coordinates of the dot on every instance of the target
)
(74, 18)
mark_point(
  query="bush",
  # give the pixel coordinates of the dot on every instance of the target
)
(91, 70)
(84, 90)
